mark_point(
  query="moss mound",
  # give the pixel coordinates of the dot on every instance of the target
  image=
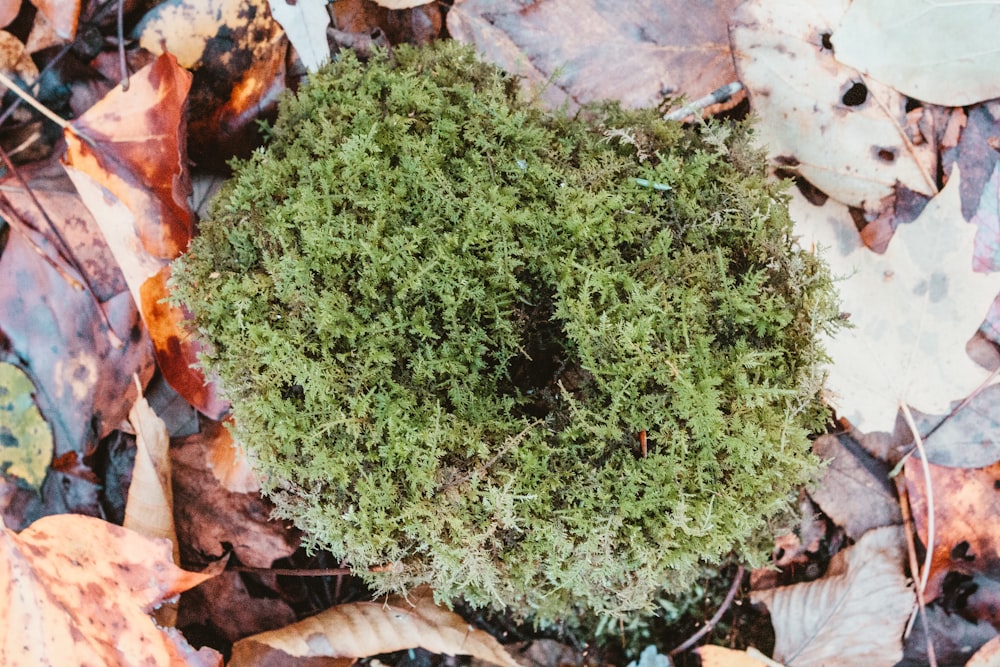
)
(533, 360)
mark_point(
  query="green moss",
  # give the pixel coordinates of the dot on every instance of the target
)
(443, 317)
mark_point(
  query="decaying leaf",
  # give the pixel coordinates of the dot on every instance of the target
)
(911, 310)
(818, 118)
(966, 504)
(211, 516)
(236, 51)
(362, 629)
(939, 52)
(967, 438)
(855, 615)
(131, 171)
(25, 438)
(720, 656)
(78, 590)
(855, 491)
(150, 507)
(580, 51)
(82, 368)
(305, 22)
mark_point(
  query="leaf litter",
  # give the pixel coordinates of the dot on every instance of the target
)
(800, 88)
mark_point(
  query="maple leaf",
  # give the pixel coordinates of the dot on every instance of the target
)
(76, 590)
(817, 117)
(912, 310)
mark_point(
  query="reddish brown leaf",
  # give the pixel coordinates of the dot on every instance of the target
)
(134, 148)
(585, 51)
(208, 515)
(966, 506)
(133, 143)
(75, 590)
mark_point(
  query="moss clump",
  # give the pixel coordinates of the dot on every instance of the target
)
(443, 317)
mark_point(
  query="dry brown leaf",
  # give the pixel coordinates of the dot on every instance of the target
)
(149, 510)
(55, 24)
(9, 10)
(75, 590)
(966, 504)
(581, 51)
(209, 516)
(855, 491)
(150, 507)
(855, 615)
(363, 629)
(987, 656)
(225, 607)
(228, 459)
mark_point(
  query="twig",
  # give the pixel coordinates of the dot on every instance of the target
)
(693, 639)
(38, 106)
(930, 495)
(121, 44)
(715, 97)
(304, 572)
(911, 552)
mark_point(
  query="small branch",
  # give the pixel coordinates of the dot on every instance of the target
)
(693, 639)
(38, 106)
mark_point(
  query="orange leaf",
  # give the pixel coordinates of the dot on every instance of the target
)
(76, 590)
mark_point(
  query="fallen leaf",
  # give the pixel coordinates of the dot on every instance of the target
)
(939, 52)
(855, 491)
(48, 317)
(564, 47)
(855, 615)
(54, 25)
(966, 504)
(987, 656)
(131, 171)
(225, 606)
(818, 118)
(78, 590)
(402, 4)
(362, 629)
(149, 510)
(720, 656)
(305, 22)
(967, 438)
(362, 24)
(911, 311)
(211, 518)
(975, 154)
(25, 438)
(236, 51)
(228, 459)
(954, 638)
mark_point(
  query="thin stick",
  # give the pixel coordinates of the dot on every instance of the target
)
(41, 108)
(121, 44)
(925, 574)
(715, 97)
(693, 639)
(911, 552)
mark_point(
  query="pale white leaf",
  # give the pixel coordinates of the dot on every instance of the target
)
(911, 310)
(856, 153)
(855, 615)
(939, 51)
(305, 23)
